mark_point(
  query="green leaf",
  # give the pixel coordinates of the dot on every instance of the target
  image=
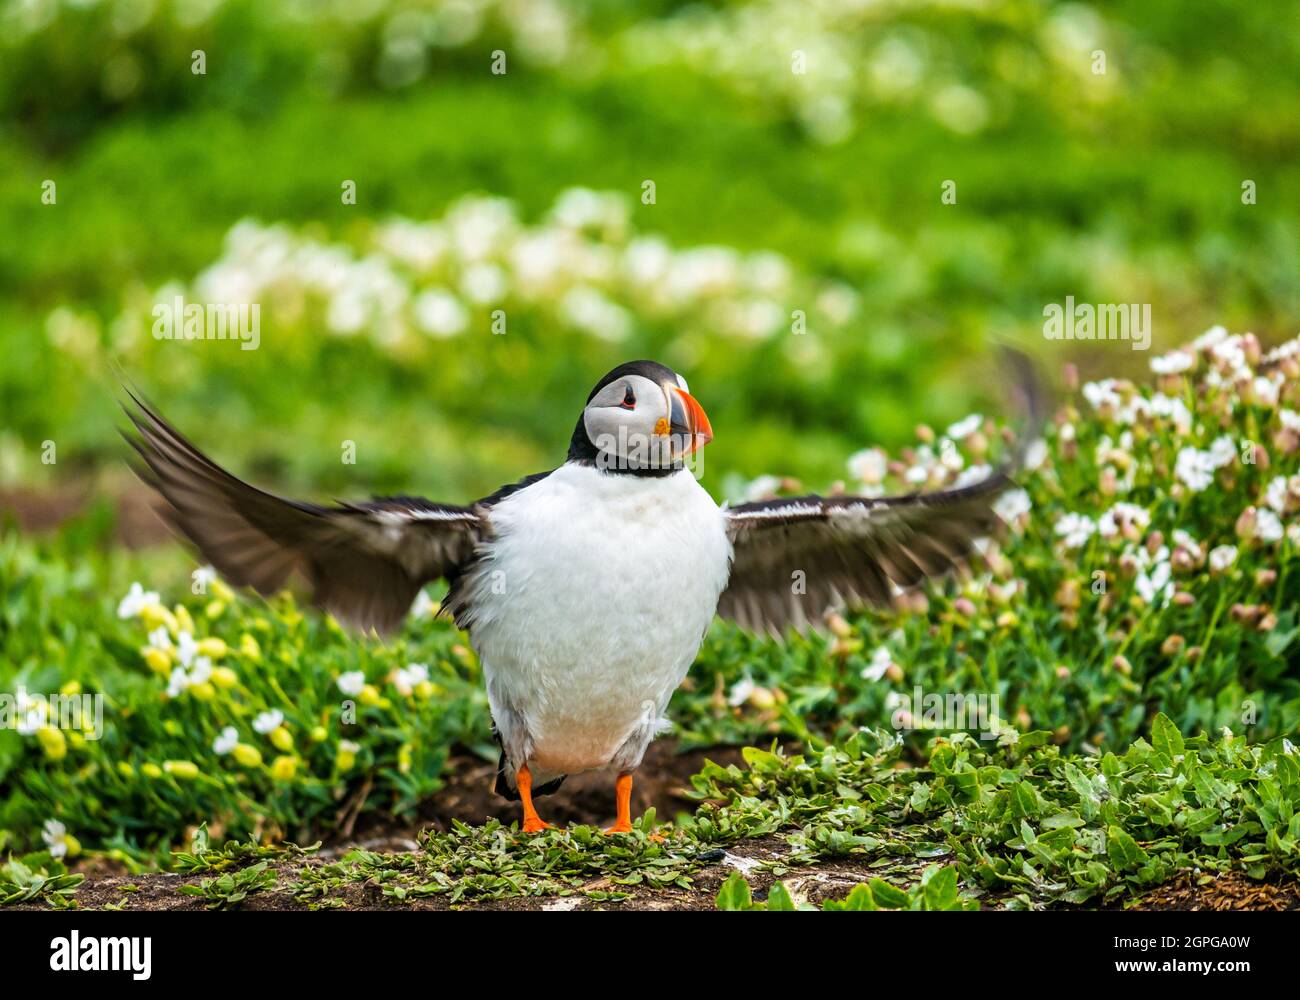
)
(734, 894)
(1165, 737)
(1125, 853)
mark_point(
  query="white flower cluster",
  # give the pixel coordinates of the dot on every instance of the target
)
(582, 267)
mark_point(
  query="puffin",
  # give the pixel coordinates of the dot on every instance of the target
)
(586, 591)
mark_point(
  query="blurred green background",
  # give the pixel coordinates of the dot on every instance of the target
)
(775, 191)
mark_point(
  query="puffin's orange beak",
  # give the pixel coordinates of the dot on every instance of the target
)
(689, 422)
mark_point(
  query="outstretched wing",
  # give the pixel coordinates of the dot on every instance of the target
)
(799, 557)
(364, 562)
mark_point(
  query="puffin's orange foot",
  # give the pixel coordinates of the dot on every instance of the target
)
(532, 822)
(623, 796)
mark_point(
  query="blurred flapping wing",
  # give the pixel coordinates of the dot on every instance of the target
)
(364, 562)
(797, 558)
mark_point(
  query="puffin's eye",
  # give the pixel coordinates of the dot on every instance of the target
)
(629, 398)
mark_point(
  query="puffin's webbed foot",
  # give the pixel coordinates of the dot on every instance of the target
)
(623, 793)
(532, 822)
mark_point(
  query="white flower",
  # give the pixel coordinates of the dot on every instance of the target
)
(226, 742)
(1266, 390)
(160, 639)
(201, 672)
(406, 679)
(868, 465)
(1275, 496)
(186, 648)
(423, 606)
(268, 721)
(1076, 529)
(1222, 556)
(1011, 505)
(965, 427)
(1222, 451)
(1290, 419)
(1267, 526)
(880, 662)
(135, 601)
(351, 683)
(178, 682)
(1099, 394)
(1173, 408)
(1196, 468)
(1035, 454)
(55, 835)
(1209, 338)
(762, 487)
(970, 476)
(1108, 526)
(33, 713)
(1173, 362)
(203, 576)
(740, 692)
(483, 284)
(440, 314)
(1156, 584)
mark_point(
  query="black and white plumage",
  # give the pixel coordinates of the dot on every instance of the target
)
(587, 590)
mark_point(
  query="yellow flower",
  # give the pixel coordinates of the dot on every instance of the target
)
(404, 758)
(220, 590)
(214, 610)
(155, 615)
(125, 769)
(157, 660)
(319, 734)
(72, 844)
(248, 647)
(424, 690)
(369, 695)
(284, 767)
(70, 689)
(247, 755)
(151, 770)
(224, 677)
(52, 742)
(347, 757)
(212, 647)
(76, 741)
(203, 692)
(185, 769)
(183, 620)
(281, 738)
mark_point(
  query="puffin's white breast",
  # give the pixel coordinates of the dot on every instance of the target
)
(590, 604)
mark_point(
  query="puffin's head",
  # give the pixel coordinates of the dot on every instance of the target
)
(640, 417)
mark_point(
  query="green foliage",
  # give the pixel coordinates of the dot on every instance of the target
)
(937, 890)
(229, 890)
(1022, 822)
(38, 877)
(154, 767)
